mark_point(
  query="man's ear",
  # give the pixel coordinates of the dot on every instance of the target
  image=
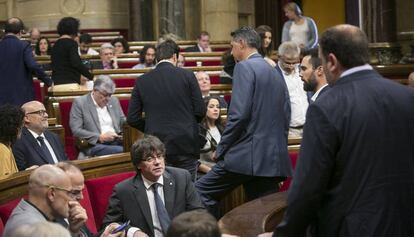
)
(332, 63)
(319, 71)
(51, 195)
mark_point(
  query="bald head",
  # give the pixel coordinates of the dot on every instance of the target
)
(47, 175)
(34, 35)
(14, 26)
(348, 43)
(411, 79)
(36, 116)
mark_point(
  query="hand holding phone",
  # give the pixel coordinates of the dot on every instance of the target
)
(120, 228)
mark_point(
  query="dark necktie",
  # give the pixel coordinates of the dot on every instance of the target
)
(45, 151)
(162, 212)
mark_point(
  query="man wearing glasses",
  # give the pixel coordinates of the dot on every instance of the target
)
(37, 146)
(51, 198)
(289, 54)
(97, 118)
(154, 196)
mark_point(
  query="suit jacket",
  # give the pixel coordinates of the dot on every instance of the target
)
(16, 66)
(354, 176)
(23, 214)
(323, 91)
(27, 151)
(173, 105)
(84, 120)
(254, 141)
(129, 200)
(194, 48)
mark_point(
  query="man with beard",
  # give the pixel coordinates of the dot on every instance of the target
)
(312, 74)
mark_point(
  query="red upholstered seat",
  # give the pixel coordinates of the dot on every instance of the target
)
(127, 64)
(100, 190)
(212, 63)
(7, 208)
(227, 98)
(215, 79)
(124, 104)
(70, 148)
(1, 228)
(190, 63)
(124, 82)
(38, 90)
(86, 203)
(293, 158)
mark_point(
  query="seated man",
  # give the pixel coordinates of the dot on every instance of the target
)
(181, 60)
(146, 57)
(97, 117)
(37, 146)
(85, 41)
(108, 58)
(205, 85)
(154, 195)
(51, 198)
(203, 44)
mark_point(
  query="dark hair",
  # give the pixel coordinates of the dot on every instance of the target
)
(68, 26)
(144, 52)
(314, 57)
(123, 42)
(166, 50)
(37, 48)
(14, 25)
(218, 122)
(261, 30)
(85, 38)
(348, 44)
(11, 121)
(228, 62)
(249, 35)
(197, 223)
(202, 33)
(144, 147)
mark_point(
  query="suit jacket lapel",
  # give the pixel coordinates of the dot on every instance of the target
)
(34, 144)
(92, 110)
(53, 145)
(169, 193)
(142, 199)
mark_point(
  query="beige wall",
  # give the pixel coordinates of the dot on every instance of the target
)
(326, 13)
(45, 14)
(219, 18)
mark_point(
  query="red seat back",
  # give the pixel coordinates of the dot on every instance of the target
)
(127, 64)
(215, 79)
(7, 208)
(124, 82)
(100, 190)
(86, 203)
(1, 228)
(70, 149)
(124, 105)
(293, 158)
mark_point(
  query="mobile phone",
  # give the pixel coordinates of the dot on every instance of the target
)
(120, 228)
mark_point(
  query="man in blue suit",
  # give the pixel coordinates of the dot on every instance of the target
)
(253, 148)
(354, 176)
(37, 146)
(17, 65)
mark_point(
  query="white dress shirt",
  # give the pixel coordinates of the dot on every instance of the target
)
(298, 98)
(49, 147)
(153, 208)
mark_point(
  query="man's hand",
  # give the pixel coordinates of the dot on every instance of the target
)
(77, 216)
(110, 228)
(267, 234)
(108, 137)
(140, 234)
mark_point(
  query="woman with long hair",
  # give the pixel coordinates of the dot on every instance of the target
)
(265, 33)
(43, 47)
(11, 122)
(211, 129)
(300, 29)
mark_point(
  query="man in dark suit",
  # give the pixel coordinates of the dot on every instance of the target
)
(253, 147)
(203, 43)
(312, 74)
(17, 65)
(355, 173)
(154, 196)
(37, 146)
(172, 102)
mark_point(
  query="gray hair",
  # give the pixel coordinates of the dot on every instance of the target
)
(104, 83)
(289, 49)
(41, 229)
(249, 35)
(106, 46)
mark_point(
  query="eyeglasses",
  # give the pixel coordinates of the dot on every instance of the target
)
(152, 158)
(41, 112)
(104, 94)
(71, 193)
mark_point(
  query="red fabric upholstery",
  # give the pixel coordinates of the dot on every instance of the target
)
(7, 208)
(224, 49)
(127, 64)
(38, 90)
(124, 104)
(293, 158)
(227, 98)
(1, 228)
(100, 190)
(86, 203)
(215, 79)
(124, 82)
(212, 63)
(190, 63)
(70, 149)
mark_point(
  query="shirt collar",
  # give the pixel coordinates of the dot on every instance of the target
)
(356, 69)
(35, 135)
(313, 98)
(43, 214)
(148, 183)
(165, 60)
(94, 102)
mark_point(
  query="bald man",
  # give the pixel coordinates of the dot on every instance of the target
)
(355, 173)
(50, 198)
(411, 80)
(37, 146)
